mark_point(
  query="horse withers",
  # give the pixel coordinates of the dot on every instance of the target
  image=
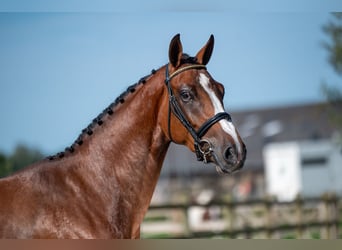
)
(101, 186)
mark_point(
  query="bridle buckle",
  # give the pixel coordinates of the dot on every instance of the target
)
(204, 148)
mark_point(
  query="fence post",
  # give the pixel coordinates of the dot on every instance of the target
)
(299, 213)
(331, 215)
(230, 216)
(268, 207)
(187, 229)
(334, 216)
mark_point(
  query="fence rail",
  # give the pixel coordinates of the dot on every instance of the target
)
(265, 218)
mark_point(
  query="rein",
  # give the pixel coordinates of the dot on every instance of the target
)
(203, 147)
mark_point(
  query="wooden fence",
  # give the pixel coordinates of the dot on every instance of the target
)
(266, 218)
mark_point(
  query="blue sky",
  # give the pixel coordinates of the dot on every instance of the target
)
(59, 70)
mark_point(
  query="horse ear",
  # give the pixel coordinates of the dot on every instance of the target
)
(175, 51)
(203, 56)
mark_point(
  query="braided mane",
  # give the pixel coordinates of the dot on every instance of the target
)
(99, 120)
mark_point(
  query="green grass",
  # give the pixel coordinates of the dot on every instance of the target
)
(156, 218)
(156, 236)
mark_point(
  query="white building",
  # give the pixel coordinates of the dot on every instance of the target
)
(307, 168)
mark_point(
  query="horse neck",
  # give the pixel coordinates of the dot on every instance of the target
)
(128, 150)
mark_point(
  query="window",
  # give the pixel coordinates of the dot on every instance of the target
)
(314, 162)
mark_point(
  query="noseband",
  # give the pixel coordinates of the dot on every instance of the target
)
(203, 148)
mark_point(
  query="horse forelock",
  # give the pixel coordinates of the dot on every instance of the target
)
(188, 59)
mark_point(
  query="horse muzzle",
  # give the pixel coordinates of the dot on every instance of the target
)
(227, 159)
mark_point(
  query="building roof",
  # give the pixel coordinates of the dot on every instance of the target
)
(258, 127)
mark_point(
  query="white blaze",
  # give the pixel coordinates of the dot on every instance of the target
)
(226, 125)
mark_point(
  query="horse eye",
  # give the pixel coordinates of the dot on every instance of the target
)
(185, 95)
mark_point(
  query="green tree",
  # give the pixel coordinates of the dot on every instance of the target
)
(20, 158)
(334, 30)
(4, 166)
(333, 93)
(24, 156)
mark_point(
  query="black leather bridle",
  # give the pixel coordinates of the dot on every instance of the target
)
(203, 148)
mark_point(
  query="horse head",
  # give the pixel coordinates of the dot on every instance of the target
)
(195, 110)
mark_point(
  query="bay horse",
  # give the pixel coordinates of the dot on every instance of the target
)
(101, 186)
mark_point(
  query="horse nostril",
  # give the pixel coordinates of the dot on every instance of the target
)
(230, 154)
